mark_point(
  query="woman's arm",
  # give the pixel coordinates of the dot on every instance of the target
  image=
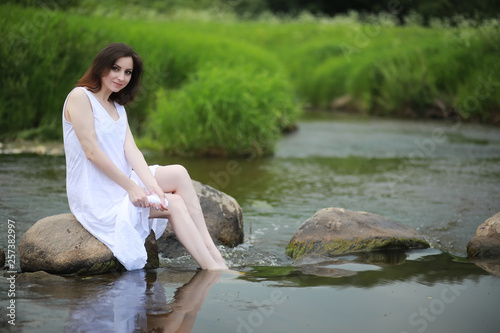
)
(141, 168)
(79, 112)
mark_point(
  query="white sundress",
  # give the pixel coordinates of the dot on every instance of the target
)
(100, 204)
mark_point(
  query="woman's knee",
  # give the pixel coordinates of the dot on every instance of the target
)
(175, 203)
(179, 171)
(172, 177)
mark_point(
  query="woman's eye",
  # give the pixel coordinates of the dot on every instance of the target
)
(115, 69)
(128, 72)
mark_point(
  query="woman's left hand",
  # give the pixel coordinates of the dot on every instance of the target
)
(157, 189)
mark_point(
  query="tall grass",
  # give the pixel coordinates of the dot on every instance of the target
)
(210, 78)
(219, 111)
(34, 69)
(381, 68)
(177, 60)
(394, 71)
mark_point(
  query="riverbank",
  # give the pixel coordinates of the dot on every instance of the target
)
(223, 78)
(32, 147)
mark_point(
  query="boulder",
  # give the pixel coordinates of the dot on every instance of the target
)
(60, 245)
(222, 214)
(337, 231)
(486, 241)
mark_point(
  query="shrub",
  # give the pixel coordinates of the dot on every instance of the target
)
(237, 110)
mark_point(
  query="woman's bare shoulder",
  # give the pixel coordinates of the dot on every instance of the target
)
(78, 94)
(77, 102)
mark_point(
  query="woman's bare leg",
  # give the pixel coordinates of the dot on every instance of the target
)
(175, 179)
(186, 232)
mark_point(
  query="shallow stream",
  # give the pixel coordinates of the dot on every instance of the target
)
(440, 178)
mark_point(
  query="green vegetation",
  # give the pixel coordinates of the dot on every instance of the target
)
(255, 104)
(218, 84)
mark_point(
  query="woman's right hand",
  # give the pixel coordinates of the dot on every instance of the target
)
(138, 196)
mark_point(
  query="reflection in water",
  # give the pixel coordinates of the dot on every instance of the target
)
(425, 267)
(136, 302)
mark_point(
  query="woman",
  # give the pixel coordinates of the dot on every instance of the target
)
(107, 178)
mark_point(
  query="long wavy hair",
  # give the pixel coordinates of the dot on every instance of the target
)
(103, 63)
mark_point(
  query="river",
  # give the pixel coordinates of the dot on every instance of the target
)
(442, 179)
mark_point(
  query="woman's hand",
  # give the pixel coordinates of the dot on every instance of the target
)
(157, 189)
(138, 196)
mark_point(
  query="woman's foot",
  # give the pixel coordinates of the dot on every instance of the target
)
(218, 257)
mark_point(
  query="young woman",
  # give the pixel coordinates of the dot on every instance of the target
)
(107, 178)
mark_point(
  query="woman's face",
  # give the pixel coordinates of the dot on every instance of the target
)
(119, 75)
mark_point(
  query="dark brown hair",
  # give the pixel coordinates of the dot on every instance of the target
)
(104, 62)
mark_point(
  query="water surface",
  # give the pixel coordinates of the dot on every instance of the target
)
(442, 179)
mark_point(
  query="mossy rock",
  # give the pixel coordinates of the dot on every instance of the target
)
(337, 231)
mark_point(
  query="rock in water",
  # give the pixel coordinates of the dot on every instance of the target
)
(486, 241)
(222, 214)
(60, 245)
(337, 231)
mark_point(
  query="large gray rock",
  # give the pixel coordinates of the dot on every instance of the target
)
(60, 245)
(337, 231)
(486, 241)
(222, 214)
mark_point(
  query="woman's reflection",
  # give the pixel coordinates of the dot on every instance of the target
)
(188, 300)
(136, 302)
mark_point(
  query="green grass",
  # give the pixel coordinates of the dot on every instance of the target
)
(217, 85)
(255, 104)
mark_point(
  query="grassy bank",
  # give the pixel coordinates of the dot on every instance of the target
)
(216, 86)
(383, 69)
(205, 89)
